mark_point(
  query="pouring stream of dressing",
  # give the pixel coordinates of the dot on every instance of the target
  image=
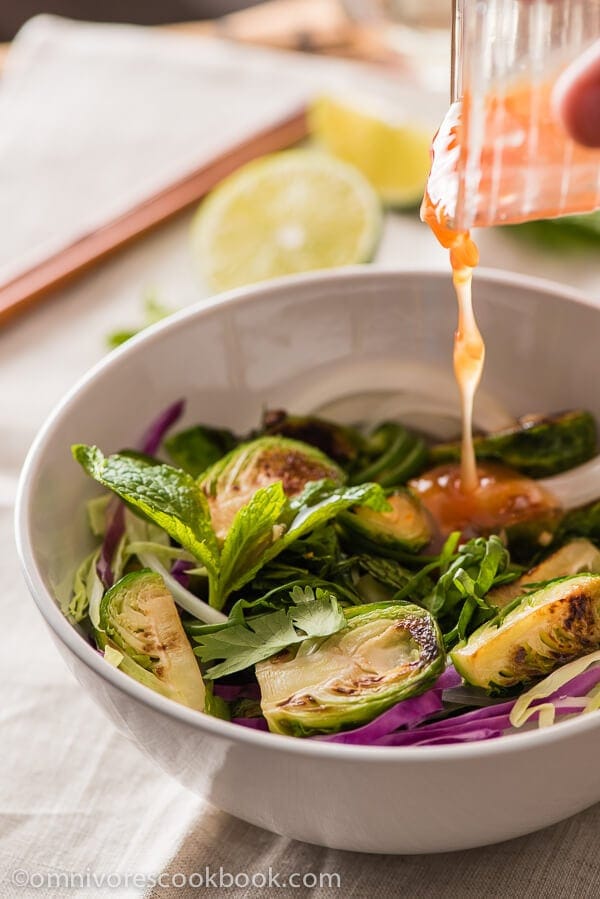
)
(469, 348)
(469, 356)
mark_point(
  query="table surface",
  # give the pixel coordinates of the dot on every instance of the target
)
(80, 797)
(316, 26)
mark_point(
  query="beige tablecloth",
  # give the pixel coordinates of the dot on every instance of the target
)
(79, 805)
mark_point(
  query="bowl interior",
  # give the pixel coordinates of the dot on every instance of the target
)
(356, 345)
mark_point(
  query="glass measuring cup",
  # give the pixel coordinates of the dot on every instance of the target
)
(501, 155)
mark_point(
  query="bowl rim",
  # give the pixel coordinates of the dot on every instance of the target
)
(352, 277)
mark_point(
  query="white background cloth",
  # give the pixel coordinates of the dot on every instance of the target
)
(91, 118)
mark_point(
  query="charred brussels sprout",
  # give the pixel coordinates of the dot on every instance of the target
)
(197, 448)
(546, 629)
(342, 444)
(539, 447)
(405, 528)
(387, 652)
(231, 482)
(393, 455)
(574, 557)
(139, 618)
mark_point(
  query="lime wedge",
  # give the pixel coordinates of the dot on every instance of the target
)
(288, 212)
(394, 158)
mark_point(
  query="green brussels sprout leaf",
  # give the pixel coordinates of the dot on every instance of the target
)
(340, 443)
(197, 448)
(404, 527)
(232, 482)
(539, 447)
(87, 589)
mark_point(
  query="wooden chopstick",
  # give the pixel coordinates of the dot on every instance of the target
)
(34, 285)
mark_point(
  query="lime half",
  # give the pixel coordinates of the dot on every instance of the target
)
(393, 157)
(288, 212)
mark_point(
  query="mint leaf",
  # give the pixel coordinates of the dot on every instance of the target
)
(255, 528)
(167, 496)
(312, 508)
(241, 646)
(262, 529)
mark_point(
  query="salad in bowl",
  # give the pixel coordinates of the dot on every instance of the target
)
(327, 582)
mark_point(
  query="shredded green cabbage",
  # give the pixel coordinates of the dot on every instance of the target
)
(522, 710)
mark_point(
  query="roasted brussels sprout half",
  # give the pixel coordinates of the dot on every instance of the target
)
(393, 455)
(231, 482)
(387, 652)
(340, 443)
(546, 629)
(195, 449)
(405, 528)
(538, 447)
(574, 557)
(139, 618)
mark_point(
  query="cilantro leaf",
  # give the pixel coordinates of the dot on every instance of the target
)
(317, 617)
(242, 645)
(169, 497)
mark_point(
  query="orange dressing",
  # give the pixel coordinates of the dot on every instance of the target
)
(528, 166)
(501, 498)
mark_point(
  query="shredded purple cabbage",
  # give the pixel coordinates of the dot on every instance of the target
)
(178, 571)
(153, 437)
(492, 721)
(232, 692)
(256, 723)
(403, 724)
(462, 728)
(114, 531)
(115, 528)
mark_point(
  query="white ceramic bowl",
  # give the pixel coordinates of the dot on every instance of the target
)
(303, 343)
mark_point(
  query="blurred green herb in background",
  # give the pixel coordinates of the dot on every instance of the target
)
(154, 311)
(573, 232)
